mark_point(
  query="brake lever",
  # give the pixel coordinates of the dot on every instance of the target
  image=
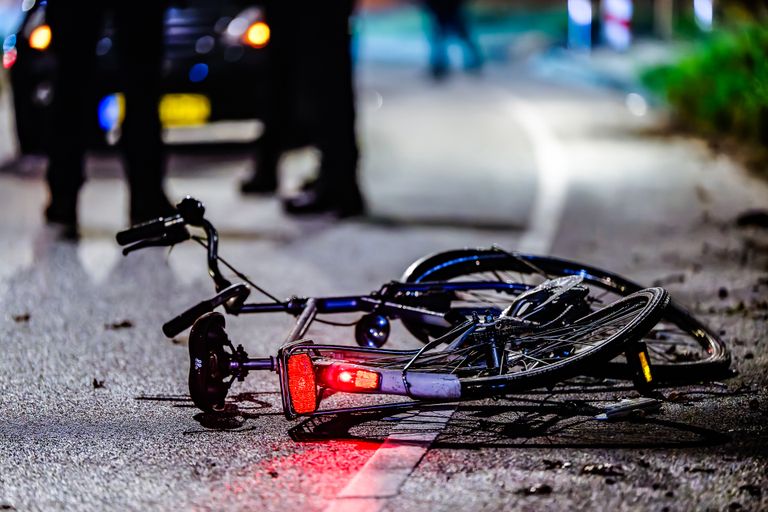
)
(178, 235)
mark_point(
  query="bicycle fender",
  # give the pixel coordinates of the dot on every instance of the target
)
(424, 386)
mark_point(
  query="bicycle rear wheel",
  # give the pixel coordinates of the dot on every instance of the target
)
(681, 348)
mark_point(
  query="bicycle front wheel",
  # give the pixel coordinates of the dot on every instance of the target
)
(681, 348)
(500, 357)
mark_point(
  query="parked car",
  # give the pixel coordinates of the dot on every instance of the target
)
(214, 69)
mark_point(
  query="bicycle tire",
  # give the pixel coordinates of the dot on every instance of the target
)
(448, 265)
(652, 302)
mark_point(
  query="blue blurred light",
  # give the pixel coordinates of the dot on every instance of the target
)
(198, 72)
(9, 43)
(109, 112)
(579, 24)
(103, 46)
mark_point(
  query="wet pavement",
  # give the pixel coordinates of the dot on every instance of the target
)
(95, 411)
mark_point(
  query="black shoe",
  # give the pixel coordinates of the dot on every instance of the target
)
(259, 183)
(62, 214)
(439, 72)
(144, 209)
(311, 202)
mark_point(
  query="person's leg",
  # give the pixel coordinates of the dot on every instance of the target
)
(139, 43)
(74, 39)
(330, 81)
(276, 121)
(438, 60)
(473, 58)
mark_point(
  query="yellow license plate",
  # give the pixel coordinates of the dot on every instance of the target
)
(184, 109)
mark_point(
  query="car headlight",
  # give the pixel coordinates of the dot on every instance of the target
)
(40, 37)
(257, 35)
(247, 28)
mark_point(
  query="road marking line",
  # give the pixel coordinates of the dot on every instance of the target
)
(393, 462)
(551, 192)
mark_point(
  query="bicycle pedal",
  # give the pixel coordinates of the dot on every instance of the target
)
(638, 361)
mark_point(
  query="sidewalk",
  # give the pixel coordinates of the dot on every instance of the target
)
(605, 67)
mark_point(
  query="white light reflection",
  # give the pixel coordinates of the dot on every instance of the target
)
(704, 14)
(617, 17)
(580, 11)
(237, 27)
(579, 24)
(636, 104)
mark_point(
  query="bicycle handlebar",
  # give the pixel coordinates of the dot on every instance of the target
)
(168, 231)
(232, 298)
(156, 228)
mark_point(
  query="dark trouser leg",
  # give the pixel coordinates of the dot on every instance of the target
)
(139, 35)
(473, 56)
(335, 101)
(439, 15)
(277, 115)
(324, 74)
(75, 32)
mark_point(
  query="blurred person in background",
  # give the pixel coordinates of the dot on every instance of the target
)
(448, 17)
(139, 44)
(312, 100)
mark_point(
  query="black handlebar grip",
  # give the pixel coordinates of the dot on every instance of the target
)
(151, 229)
(185, 320)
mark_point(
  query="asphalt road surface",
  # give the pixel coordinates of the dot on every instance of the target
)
(94, 410)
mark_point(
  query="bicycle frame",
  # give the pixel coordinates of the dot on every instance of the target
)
(334, 368)
(387, 301)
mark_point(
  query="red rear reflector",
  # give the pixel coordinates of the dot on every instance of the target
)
(301, 384)
(351, 379)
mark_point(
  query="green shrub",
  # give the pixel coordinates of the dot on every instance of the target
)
(722, 87)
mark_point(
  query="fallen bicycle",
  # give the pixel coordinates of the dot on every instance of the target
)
(493, 323)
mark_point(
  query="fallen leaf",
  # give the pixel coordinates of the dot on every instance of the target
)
(555, 464)
(123, 324)
(757, 218)
(699, 470)
(536, 490)
(751, 489)
(602, 470)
